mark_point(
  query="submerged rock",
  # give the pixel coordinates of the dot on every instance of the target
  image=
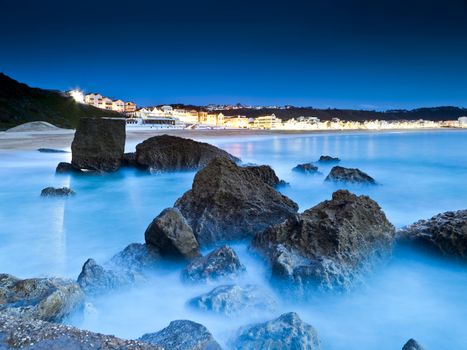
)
(233, 299)
(172, 153)
(286, 332)
(48, 299)
(57, 192)
(444, 234)
(306, 168)
(170, 233)
(329, 245)
(51, 150)
(221, 263)
(182, 335)
(350, 175)
(98, 144)
(412, 345)
(229, 202)
(136, 257)
(328, 159)
(95, 280)
(67, 168)
(21, 333)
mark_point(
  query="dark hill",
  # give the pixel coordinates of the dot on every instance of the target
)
(20, 103)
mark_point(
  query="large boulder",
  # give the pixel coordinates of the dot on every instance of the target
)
(229, 202)
(231, 300)
(172, 153)
(412, 344)
(170, 233)
(95, 280)
(341, 174)
(221, 263)
(98, 144)
(328, 159)
(57, 192)
(48, 299)
(136, 257)
(286, 332)
(444, 234)
(265, 173)
(67, 168)
(22, 333)
(329, 245)
(182, 335)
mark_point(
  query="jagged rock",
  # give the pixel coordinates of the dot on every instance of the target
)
(229, 202)
(306, 168)
(330, 245)
(95, 280)
(265, 173)
(328, 159)
(233, 299)
(67, 168)
(98, 144)
(412, 345)
(57, 192)
(51, 150)
(136, 257)
(170, 233)
(221, 263)
(444, 234)
(182, 335)
(172, 153)
(129, 159)
(286, 332)
(48, 299)
(21, 333)
(341, 174)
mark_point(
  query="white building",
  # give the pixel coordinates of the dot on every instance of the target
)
(267, 122)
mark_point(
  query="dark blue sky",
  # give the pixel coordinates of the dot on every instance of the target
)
(342, 53)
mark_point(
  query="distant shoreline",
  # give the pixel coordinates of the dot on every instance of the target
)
(32, 140)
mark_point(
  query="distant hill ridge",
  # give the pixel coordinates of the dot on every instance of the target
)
(20, 104)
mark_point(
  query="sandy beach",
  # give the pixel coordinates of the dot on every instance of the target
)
(62, 138)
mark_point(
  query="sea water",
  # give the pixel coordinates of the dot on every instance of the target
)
(419, 174)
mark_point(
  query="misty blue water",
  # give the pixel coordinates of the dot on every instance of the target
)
(419, 173)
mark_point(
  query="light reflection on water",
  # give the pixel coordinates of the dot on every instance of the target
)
(420, 174)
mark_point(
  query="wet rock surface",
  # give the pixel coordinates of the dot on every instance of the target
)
(221, 263)
(330, 245)
(229, 202)
(57, 192)
(412, 345)
(67, 168)
(48, 299)
(286, 332)
(328, 159)
(99, 144)
(172, 153)
(444, 234)
(95, 280)
(22, 333)
(136, 257)
(306, 168)
(350, 175)
(129, 159)
(182, 335)
(233, 299)
(170, 233)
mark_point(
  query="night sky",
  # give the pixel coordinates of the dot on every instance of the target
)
(347, 53)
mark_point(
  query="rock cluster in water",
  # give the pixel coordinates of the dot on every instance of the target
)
(306, 168)
(341, 174)
(329, 244)
(444, 234)
(57, 192)
(229, 202)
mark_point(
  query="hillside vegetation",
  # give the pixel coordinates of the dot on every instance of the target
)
(20, 103)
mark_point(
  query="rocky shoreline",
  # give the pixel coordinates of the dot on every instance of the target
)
(332, 246)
